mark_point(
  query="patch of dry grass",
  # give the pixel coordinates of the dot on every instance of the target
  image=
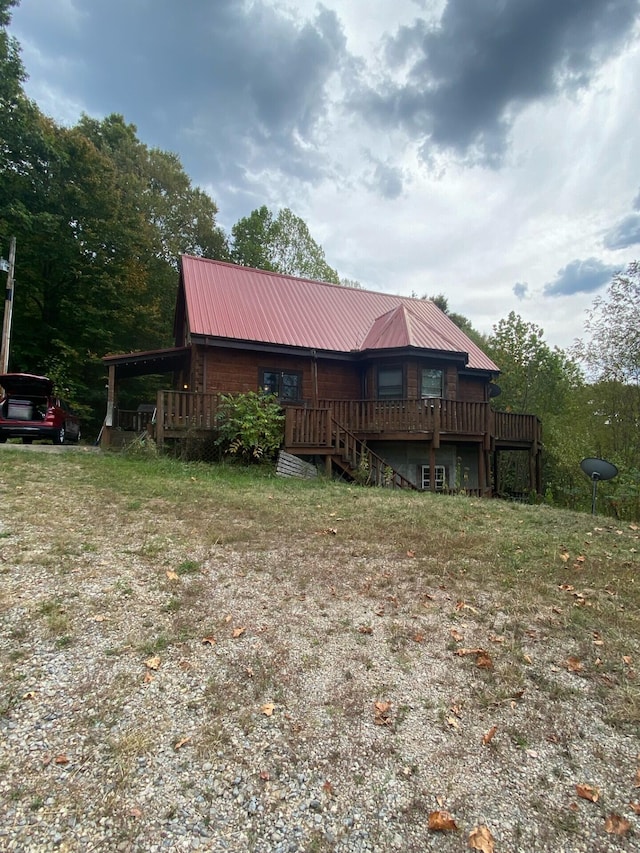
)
(315, 597)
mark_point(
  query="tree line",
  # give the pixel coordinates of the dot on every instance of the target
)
(100, 220)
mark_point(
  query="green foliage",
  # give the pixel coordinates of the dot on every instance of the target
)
(280, 244)
(250, 426)
(536, 379)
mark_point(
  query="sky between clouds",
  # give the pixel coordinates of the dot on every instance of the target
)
(486, 150)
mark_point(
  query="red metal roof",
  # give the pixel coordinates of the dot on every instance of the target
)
(243, 304)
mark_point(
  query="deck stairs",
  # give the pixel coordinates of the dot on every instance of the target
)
(359, 463)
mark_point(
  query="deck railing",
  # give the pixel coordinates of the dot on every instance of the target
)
(509, 426)
(178, 411)
(310, 427)
(426, 415)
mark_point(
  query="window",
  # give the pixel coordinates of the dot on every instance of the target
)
(431, 383)
(283, 384)
(440, 478)
(390, 386)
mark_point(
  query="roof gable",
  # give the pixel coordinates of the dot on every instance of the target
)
(230, 302)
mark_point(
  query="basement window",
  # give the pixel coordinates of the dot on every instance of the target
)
(285, 385)
(440, 478)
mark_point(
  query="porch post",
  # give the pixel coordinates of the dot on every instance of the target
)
(160, 419)
(105, 437)
(482, 470)
(432, 466)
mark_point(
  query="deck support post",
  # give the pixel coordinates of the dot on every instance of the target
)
(432, 466)
(160, 419)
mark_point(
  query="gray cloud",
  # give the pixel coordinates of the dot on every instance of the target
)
(626, 233)
(467, 77)
(580, 277)
(235, 88)
(386, 180)
(520, 290)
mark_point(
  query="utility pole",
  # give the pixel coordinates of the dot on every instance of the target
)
(8, 310)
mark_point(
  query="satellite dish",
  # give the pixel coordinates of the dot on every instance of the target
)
(494, 390)
(597, 469)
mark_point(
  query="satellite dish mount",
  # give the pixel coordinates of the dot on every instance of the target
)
(597, 469)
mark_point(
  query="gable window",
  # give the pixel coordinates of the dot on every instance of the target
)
(285, 385)
(440, 474)
(431, 385)
(390, 386)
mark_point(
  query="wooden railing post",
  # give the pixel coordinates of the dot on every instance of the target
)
(160, 419)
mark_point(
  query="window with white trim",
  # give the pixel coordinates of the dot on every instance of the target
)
(431, 384)
(440, 478)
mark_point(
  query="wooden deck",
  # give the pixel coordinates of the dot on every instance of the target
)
(312, 431)
(405, 420)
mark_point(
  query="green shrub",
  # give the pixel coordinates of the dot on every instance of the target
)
(250, 426)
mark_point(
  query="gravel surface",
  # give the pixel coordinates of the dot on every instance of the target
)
(164, 692)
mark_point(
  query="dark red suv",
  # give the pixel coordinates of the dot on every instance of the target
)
(28, 410)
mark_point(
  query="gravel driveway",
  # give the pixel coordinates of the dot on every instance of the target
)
(172, 682)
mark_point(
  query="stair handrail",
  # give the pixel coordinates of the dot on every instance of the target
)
(361, 446)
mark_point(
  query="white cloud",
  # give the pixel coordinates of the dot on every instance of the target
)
(258, 101)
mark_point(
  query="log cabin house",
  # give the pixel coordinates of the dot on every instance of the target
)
(369, 382)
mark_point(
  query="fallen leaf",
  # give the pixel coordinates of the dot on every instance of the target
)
(441, 821)
(228, 618)
(61, 759)
(462, 605)
(418, 638)
(265, 775)
(382, 713)
(148, 677)
(487, 737)
(453, 722)
(411, 553)
(365, 629)
(328, 788)
(617, 825)
(457, 636)
(238, 632)
(173, 576)
(496, 638)
(483, 660)
(574, 664)
(267, 709)
(30, 694)
(180, 743)
(480, 838)
(99, 618)
(135, 812)
(627, 659)
(587, 792)
(635, 807)
(564, 556)
(463, 652)
(208, 641)
(153, 662)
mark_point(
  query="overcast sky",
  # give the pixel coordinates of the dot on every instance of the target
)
(484, 149)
